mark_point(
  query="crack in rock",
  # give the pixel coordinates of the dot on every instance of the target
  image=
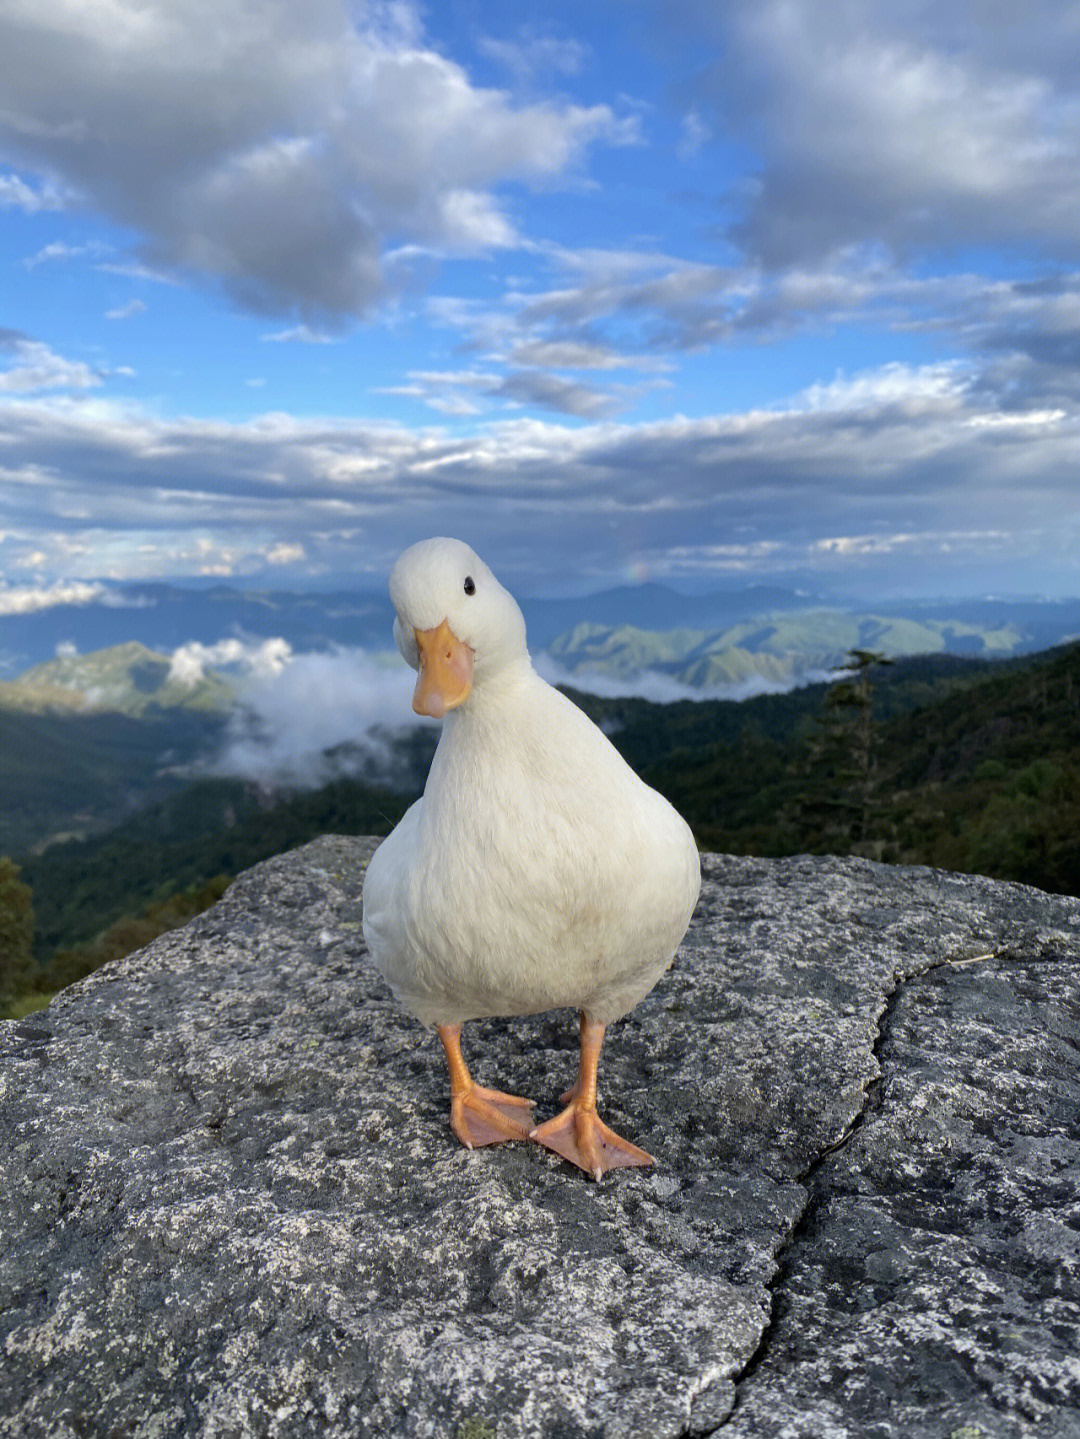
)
(932, 1285)
(806, 1179)
(230, 1201)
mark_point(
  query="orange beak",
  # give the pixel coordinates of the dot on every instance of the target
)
(446, 667)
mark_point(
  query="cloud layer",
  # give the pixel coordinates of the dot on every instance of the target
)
(315, 716)
(879, 465)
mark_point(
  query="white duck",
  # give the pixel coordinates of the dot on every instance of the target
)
(537, 871)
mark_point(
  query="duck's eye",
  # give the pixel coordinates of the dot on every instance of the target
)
(470, 585)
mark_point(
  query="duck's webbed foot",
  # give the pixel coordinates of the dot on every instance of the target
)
(487, 1116)
(578, 1133)
(480, 1116)
(582, 1137)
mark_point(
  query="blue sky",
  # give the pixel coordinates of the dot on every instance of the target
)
(712, 294)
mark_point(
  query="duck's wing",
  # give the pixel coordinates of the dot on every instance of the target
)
(387, 874)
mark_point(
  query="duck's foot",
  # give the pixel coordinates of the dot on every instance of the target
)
(582, 1137)
(480, 1116)
(487, 1116)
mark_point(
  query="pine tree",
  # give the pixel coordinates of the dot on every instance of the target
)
(836, 811)
(16, 934)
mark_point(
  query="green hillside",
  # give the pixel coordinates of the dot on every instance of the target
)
(211, 827)
(126, 679)
(969, 768)
(778, 648)
(87, 740)
(65, 774)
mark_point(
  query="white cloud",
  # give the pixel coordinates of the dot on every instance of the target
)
(16, 193)
(926, 544)
(533, 52)
(284, 554)
(28, 365)
(259, 658)
(553, 392)
(891, 384)
(125, 311)
(300, 334)
(664, 303)
(652, 684)
(324, 714)
(1033, 419)
(580, 355)
(346, 702)
(26, 599)
(59, 250)
(459, 392)
(336, 135)
(898, 451)
(695, 133)
(899, 123)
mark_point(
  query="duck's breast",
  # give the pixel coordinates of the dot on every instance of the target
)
(551, 875)
(538, 871)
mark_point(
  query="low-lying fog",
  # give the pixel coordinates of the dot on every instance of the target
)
(304, 719)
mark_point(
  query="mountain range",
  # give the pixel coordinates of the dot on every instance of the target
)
(723, 638)
(118, 702)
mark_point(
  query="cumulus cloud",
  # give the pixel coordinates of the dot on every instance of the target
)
(26, 599)
(261, 659)
(900, 123)
(28, 365)
(292, 166)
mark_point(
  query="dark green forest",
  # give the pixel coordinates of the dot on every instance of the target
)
(964, 764)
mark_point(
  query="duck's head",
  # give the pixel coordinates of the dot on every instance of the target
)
(455, 623)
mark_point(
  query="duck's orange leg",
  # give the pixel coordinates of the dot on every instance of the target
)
(480, 1116)
(578, 1133)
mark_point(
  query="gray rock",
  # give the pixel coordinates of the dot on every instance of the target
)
(230, 1203)
(934, 1287)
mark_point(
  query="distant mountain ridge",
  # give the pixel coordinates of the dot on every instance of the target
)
(127, 679)
(776, 650)
(702, 641)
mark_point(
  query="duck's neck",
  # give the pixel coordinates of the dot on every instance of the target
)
(492, 697)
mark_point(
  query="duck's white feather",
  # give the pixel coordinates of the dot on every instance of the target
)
(537, 871)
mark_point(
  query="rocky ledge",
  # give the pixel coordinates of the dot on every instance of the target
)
(230, 1204)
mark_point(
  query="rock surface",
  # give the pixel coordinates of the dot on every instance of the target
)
(230, 1204)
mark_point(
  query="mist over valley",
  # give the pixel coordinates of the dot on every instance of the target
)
(116, 696)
